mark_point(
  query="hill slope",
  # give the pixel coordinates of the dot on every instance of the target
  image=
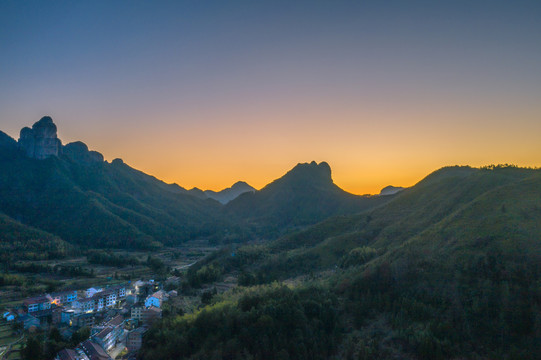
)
(21, 242)
(449, 269)
(418, 210)
(82, 199)
(303, 196)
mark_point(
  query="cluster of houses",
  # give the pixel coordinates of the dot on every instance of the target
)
(118, 316)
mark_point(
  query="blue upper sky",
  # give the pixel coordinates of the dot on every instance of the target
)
(209, 70)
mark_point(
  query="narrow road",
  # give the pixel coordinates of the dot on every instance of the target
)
(185, 266)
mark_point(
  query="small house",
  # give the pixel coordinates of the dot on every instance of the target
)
(156, 299)
(9, 316)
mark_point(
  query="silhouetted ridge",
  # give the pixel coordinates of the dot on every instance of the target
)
(78, 151)
(310, 173)
(7, 141)
(226, 195)
(390, 190)
(304, 195)
(82, 199)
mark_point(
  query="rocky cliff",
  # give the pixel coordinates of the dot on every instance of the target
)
(78, 151)
(41, 141)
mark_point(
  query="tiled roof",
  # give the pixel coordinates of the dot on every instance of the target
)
(117, 320)
(36, 300)
(159, 295)
(102, 334)
(94, 351)
(68, 354)
(141, 329)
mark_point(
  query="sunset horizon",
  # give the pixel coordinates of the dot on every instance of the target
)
(270, 180)
(367, 179)
(204, 95)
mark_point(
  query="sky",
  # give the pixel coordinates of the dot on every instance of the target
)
(206, 93)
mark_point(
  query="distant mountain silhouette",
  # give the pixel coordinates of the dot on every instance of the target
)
(303, 196)
(390, 190)
(226, 195)
(72, 193)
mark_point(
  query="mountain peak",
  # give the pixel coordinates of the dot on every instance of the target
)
(390, 190)
(310, 172)
(242, 185)
(45, 122)
(41, 141)
(226, 195)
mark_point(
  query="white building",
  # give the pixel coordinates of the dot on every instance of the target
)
(92, 291)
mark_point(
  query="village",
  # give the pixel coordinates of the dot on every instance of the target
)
(117, 316)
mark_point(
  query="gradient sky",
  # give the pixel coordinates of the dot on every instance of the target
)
(205, 93)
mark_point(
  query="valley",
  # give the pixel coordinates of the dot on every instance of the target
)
(300, 269)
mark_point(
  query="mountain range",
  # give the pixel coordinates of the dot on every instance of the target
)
(226, 195)
(303, 196)
(71, 193)
(453, 210)
(447, 269)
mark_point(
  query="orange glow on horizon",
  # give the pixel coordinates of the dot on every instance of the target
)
(368, 146)
(204, 95)
(364, 156)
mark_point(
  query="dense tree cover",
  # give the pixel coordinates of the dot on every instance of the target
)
(271, 322)
(487, 307)
(157, 265)
(505, 194)
(10, 279)
(21, 242)
(97, 204)
(100, 204)
(451, 268)
(203, 275)
(45, 345)
(110, 259)
(66, 270)
(358, 256)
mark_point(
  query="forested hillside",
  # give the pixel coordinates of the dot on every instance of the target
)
(73, 193)
(450, 268)
(303, 196)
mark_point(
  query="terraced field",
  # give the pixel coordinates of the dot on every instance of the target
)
(10, 343)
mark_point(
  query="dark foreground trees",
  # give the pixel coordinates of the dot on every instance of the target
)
(272, 322)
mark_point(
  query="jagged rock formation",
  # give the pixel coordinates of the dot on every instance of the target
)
(78, 151)
(41, 141)
(226, 195)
